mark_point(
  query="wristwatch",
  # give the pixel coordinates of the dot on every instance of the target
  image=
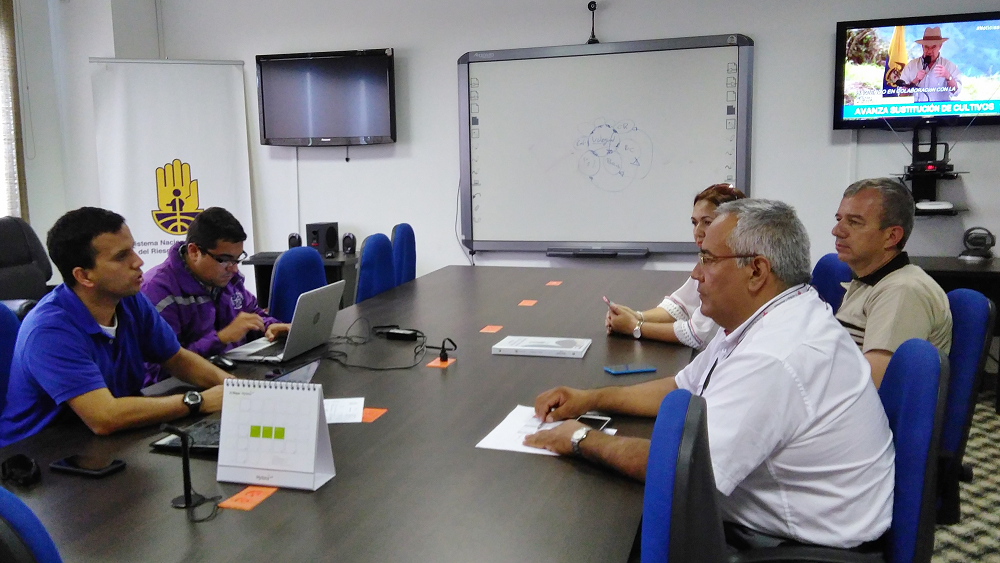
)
(192, 399)
(637, 331)
(578, 437)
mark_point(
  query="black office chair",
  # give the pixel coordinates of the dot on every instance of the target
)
(24, 266)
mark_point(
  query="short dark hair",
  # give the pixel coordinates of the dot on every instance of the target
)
(898, 208)
(719, 194)
(70, 240)
(212, 225)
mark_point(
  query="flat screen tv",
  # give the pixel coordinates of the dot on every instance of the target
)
(914, 72)
(335, 98)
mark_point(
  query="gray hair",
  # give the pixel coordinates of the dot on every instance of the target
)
(770, 229)
(897, 204)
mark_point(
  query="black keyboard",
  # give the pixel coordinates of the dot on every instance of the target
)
(204, 437)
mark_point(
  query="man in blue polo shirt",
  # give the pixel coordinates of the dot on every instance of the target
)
(84, 344)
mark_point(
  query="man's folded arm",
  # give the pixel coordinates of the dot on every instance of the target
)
(192, 368)
(104, 414)
(642, 399)
(624, 454)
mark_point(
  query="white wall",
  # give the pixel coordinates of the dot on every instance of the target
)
(797, 156)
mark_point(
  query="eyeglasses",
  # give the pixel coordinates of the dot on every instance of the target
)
(226, 259)
(708, 259)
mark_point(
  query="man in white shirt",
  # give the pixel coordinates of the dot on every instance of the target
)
(801, 447)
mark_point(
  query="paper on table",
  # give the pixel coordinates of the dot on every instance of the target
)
(509, 434)
(344, 410)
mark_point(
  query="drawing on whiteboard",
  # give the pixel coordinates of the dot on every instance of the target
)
(613, 156)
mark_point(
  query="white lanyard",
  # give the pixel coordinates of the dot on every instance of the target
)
(788, 294)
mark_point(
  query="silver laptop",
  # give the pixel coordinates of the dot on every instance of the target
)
(312, 323)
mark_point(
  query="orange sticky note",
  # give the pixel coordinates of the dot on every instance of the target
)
(248, 498)
(491, 328)
(553, 282)
(527, 303)
(369, 415)
(437, 363)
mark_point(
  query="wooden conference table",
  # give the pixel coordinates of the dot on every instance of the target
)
(410, 486)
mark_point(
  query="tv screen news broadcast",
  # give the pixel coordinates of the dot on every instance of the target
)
(907, 72)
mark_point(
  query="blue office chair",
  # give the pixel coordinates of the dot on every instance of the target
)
(973, 316)
(404, 253)
(913, 393)
(8, 336)
(681, 520)
(827, 276)
(23, 538)
(296, 271)
(375, 269)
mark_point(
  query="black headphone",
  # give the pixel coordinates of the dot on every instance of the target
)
(21, 470)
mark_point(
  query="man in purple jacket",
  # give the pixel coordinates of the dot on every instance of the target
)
(199, 291)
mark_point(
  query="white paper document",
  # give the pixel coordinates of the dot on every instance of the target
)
(509, 434)
(344, 410)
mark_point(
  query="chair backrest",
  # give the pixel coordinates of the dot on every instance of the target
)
(8, 336)
(827, 276)
(375, 269)
(913, 393)
(973, 315)
(681, 520)
(404, 253)
(24, 265)
(296, 271)
(23, 538)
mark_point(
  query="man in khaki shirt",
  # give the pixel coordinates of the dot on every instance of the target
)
(889, 301)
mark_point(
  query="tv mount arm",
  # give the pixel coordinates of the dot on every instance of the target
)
(927, 168)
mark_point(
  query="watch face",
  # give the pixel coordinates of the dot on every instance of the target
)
(192, 398)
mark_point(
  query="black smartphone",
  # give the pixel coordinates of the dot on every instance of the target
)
(88, 466)
(625, 369)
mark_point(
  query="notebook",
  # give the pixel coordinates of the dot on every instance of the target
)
(542, 346)
(312, 323)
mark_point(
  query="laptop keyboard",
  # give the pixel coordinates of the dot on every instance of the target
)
(272, 349)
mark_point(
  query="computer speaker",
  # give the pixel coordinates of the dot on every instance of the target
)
(350, 243)
(323, 237)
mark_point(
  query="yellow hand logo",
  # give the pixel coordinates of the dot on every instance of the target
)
(175, 190)
(176, 197)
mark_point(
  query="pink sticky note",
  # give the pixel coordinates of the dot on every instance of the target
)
(527, 303)
(491, 328)
(554, 283)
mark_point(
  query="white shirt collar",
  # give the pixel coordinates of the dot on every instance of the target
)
(733, 339)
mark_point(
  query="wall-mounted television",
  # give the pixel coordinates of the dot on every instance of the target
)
(919, 71)
(334, 98)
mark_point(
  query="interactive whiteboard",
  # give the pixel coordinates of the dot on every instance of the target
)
(600, 149)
